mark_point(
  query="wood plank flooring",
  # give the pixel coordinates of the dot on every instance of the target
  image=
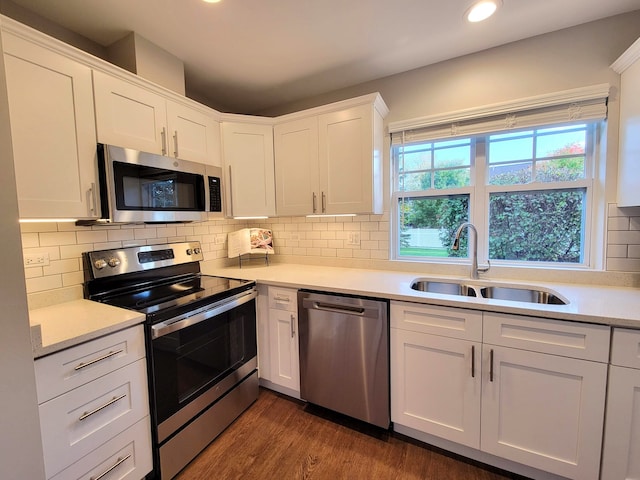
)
(280, 438)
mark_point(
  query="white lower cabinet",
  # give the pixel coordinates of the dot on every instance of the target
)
(101, 424)
(621, 453)
(527, 390)
(278, 356)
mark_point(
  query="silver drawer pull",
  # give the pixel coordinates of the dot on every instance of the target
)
(279, 298)
(80, 366)
(119, 462)
(96, 410)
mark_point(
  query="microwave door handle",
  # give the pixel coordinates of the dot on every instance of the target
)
(175, 143)
(230, 192)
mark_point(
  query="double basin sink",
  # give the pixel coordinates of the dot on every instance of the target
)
(514, 294)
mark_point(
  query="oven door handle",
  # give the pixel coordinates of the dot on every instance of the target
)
(169, 326)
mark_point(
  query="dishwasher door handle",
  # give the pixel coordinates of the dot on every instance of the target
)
(360, 311)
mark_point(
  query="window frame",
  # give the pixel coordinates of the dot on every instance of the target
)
(479, 192)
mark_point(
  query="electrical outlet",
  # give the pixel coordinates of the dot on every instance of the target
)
(36, 259)
(219, 239)
(353, 238)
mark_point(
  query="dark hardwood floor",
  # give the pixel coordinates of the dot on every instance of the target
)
(280, 438)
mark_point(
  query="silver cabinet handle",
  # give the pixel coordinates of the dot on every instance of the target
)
(473, 361)
(293, 329)
(94, 200)
(175, 143)
(324, 203)
(119, 462)
(314, 202)
(279, 298)
(86, 415)
(491, 365)
(163, 134)
(82, 365)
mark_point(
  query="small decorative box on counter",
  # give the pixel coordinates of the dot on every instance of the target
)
(250, 241)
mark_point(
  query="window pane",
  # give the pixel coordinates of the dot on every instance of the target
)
(510, 174)
(560, 170)
(410, 182)
(509, 150)
(420, 160)
(452, 156)
(427, 225)
(458, 177)
(563, 143)
(540, 226)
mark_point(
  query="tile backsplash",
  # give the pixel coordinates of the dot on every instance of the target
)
(345, 241)
(623, 239)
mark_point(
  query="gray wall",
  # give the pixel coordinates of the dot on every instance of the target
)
(21, 451)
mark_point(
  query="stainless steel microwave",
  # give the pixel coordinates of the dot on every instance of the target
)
(141, 187)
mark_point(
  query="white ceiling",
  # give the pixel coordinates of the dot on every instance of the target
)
(249, 55)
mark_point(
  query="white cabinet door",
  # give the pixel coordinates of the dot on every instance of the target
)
(283, 336)
(628, 65)
(621, 453)
(436, 385)
(349, 169)
(544, 411)
(248, 158)
(193, 135)
(296, 161)
(129, 116)
(53, 132)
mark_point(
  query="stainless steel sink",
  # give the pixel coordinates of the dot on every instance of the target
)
(521, 295)
(447, 288)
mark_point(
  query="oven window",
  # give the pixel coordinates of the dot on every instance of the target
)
(188, 362)
(140, 187)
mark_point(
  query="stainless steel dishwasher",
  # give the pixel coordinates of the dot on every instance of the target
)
(344, 355)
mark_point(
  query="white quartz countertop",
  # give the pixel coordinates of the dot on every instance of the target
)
(64, 325)
(615, 306)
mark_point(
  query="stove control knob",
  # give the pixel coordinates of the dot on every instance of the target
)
(197, 251)
(189, 251)
(113, 262)
(100, 264)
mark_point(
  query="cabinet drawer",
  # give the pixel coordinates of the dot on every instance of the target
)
(445, 321)
(73, 424)
(70, 368)
(283, 299)
(625, 348)
(569, 339)
(125, 457)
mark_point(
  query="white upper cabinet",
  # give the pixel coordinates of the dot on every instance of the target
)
(628, 66)
(53, 131)
(131, 116)
(297, 175)
(331, 162)
(248, 159)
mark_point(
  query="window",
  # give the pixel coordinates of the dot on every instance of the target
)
(528, 190)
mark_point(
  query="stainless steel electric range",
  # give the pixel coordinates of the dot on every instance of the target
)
(200, 337)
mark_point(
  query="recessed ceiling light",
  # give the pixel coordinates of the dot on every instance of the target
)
(482, 10)
(212, 1)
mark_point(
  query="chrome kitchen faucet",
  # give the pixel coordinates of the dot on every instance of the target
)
(475, 270)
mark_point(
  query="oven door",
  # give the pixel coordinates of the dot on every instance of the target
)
(197, 359)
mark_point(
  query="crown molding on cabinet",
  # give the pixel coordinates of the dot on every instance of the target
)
(43, 40)
(625, 60)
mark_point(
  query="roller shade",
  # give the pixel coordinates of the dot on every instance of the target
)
(578, 105)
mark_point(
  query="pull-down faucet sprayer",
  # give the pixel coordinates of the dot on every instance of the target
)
(474, 258)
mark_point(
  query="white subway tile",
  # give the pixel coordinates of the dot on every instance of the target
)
(75, 251)
(30, 240)
(618, 223)
(72, 278)
(328, 252)
(634, 251)
(92, 236)
(624, 237)
(120, 235)
(617, 251)
(634, 223)
(48, 239)
(62, 266)
(623, 264)
(38, 227)
(145, 233)
(344, 253)
(41, 284)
